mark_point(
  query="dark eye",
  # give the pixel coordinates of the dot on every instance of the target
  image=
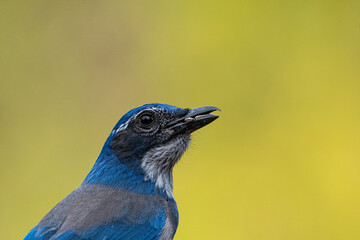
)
(146, 119)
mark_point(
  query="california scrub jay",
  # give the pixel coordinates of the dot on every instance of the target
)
(128, 192)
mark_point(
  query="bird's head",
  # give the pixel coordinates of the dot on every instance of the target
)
(150, 139)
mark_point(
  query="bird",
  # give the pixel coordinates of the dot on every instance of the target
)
(128, 193)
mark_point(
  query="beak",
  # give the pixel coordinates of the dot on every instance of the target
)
(195, 119)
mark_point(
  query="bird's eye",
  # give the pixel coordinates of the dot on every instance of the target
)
(146, 119)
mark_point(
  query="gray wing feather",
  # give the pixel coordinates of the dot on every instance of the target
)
(95, 205)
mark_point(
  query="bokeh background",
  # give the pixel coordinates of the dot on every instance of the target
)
(283, 160)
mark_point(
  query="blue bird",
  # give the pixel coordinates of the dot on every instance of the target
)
(128, 192)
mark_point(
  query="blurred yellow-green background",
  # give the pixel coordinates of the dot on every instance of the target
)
(283, 160)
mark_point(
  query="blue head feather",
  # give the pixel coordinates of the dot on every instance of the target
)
(123, 170)
(165, 107)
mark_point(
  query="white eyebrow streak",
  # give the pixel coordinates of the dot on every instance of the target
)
(121, 127)
(124, 125)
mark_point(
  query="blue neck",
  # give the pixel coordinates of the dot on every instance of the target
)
(111, 171)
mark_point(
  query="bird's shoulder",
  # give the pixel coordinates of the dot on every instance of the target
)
(98, 211)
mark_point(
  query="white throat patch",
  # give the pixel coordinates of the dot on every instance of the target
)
(158, 162)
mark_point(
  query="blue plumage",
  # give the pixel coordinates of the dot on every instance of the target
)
(128, 192)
